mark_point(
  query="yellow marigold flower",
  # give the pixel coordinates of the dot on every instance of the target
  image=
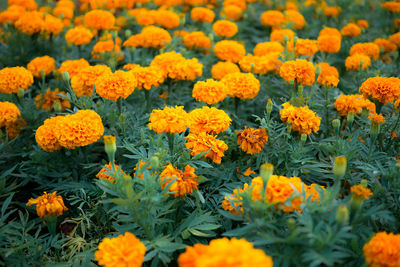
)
(185, 182)
(195, 2)
(151, 36)
(329, 43)
(272, 18)
(45, 135)
(123, 250)
(202, 14)
(113, 86)
(384, 90)
(357, 62)
(346, 104)
(208, 120)
(147, 77)
(224, 252)
(9, 113)
(239, 3)
(376, 118)
(361, 192)
(232, 12)
(382, 250)
(66, 3)
(387, 45)
(47, 100)
(168, 120)
(73, 67)
(332, 11)
(329, 75)
(52, 25)
(167, 19)
(209, 91)
(104, 173)
(99, 19)
(330, 31)
(28, 4)
(15, 78)
(225, 28)
(82, 83)
(252, 141)
(302, 119)
(203, 142)
(278, 35)
(295, 18)
(229, 50)
(66, 12)
(300, 71)
(265, 48)
(351, 30)
(306, 47)
(219, 70)
(80, 129)
(146, 17)
(362, 23)
(392, 6)
(48, 204)
(395, 38)
(11, 14)
(291, 6)
(369, 49)
(30, 22)
(109, 47)
(241, 85)
(78, 36)
(197, 40)
(43, 64)
(260, 65)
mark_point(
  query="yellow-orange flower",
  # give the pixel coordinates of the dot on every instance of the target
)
(361, 192)
(278, 35)
(113, 86)
(384, 90)
(328, 76)
(202, 14)
(184, 182)
(147, 77)
(369, 49)
(229, 50)
(48, 100)
(346, 104)
(45, 137)
(123, 250)
(151, 36)
(260, 65)
(9, 113)
(73, 67)
(197, 40)
(208, 120)
(306, 47)
(43, 64)
(272, 18)
(78, 36)
(203, 142)
(395, 38)
(219, 70)
(362, 23)
(209, 91)
(168, 120)
(48, 204)
(82, 83)
(28, 4)
(252, 141)
(30, 22)
(332, 11)
(329, 43)
(99, 19)
(104, 173)
(382, 250)
(295, 18)
(357, 62)
(108, 48)
(232, 12)
(241, 85)
(299, 71)
(302, 119)
(225, 28)
(11, 14)
(351, 30)
(233, 202)
(52, 25)
(376, 119)
(167, 19)
(15, 78)
(392, 6)
(265, 48)
(387, 45)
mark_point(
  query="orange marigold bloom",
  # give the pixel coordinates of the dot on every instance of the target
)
(346, 104)
(48, 204)
(99, 19)
(351, 30)
(73, 67)
(15, 78)
(233, 202)
(108, 47)
(300, 71)
(265, 48)
(330, 31)
(147, 77)
(202, 14)
(222, 68)
(209, 91)
(52, 25)
(252, 141)
(45, 135)
(203, 142)
(197, 40)
(241, 85)
(376, 118)
(43, 64)
(113, 86)
(360, 191)
(48, 100)
(272, 18)
(332, 11)
(369, 49)
(28, 4)
(225, 28)
(11, 14)
(384, 90)
(329, 75)
(30, 22)
(106, 172)
(357, 62)
(229, 50)
(329, 43)
(260, 65)
(387, 45)
(167, 19)
(392, 6)
(168, 120)
(146, 17)
(306, 47)
(224, 252)
(295, 18)
(239, 3)
(123, 250)
(82, 83)
(9, 113)
(78, 36)
(395, 38)
(232, 12)
(151, 36)
(185, 182)
(279, 35)
(362, 23)
(208, 120)
(383, 250)
(302, 119)
(64, 11)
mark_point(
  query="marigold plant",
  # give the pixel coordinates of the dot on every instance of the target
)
(48, 204)
(208, 120)
(301, 119)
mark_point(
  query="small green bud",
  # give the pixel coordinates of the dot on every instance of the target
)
(128, 33)
(266, 171)
(342, 214)
(154, 162)
(303, 138)
(364, 183)
(340, 166)
(269, 106)
(336, 124)
(66, 77)
(57, 106)
(20, 93)
(350, 118)
(291, 223)
(110, 146)
(317, 70)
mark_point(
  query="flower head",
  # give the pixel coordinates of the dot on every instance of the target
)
(197, 41)
(300, 71)
(382, 250)
(223, 68)
(151, 36)
(30, 22)
(252, 141)
(48, 204)
(371, 50)
(382, 89)
(78, 36)
(99, 19)
(376, 119)
(346, 104)
(83, 82)
(209, 91)
(203, 142)
(294, 18)
(272, 18)
(147, 77)
(208, 120)
(357, 62)
(169, 120)
(46, 101)
(113, 86)
(104, 173)
(302, 119)
(329, 75)
(265, 48)
(184, 181)
(351, 30)
(73, 67)
(260, 64)
(15, 78)
(229, 50)
(241, 85)
(202, 14)
(43, 64)
(225, 28)
(306, 47)
(360, 191)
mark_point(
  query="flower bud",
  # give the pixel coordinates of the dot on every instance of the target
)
(350, 118)
(266, 171)
(128, 33)
(57, 106)
(110, 146)
(289, 127)
(317, 70)
(154, 162)
(303, 138)
(291, 223)
(364, 183)
(66, 77)
(342, 214)
(336, 124)
(20, 93)
(340, 166)
(269, 106)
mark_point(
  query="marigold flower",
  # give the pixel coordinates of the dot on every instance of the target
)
(219, 70)
(329, 75)
(82, 83)
(202, 14)
(376, 119)
(252, 141)
(232, 12)
(302, 119)
(382, 250)
(197, 40)
(99, 19)
(331, 32)
(15, 78)
(169, 120)
(185, 182)
(43, 64)
(104, 173)
(229, 50)
(392, 6)
(147, 77)
(151, 36)
(332, 11)
(329, 43)
(224, 252)
(300, 71)
(306, 47)
(395, 38)
(272, 18)
(28, 4)
(362, 23)
(11, 14)
(260, 65)
(108, 47)
(64, 11)
(145, 17)
(241, 85)
(45, 135)
(357, 62)
(9, 113)
(387, 45)
(295, 18)
(239, 3)
(48, 100)
(203, 142)
(73, 67)
(78, 36)
(361, 192)
(233, 202)
(225, 28)
(384, 90)
(52, 25)
(208, 120)
(113, 86)
(209, 91)
(351, 30)
(369, 49)
(346, 104)
(265, 48)
(167, 19)
(30, 22)
(48, 204)
(123, 250)
(278, 35)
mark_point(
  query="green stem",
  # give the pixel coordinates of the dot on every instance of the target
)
(147, 98)
(171, 141)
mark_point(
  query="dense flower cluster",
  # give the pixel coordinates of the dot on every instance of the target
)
(168, 120)
(346, 104)
(48, 204)
(260, 64)
(369, 49)
(99, 19)
(208, 120)
(83, 82)
(113, 86)
(241, 85)
(147, 77)
(384, 90)
(203, 142)
(299, 71)
(301, 119)
(209, 91)
(15, 78)
(183, 182)
(252, 141)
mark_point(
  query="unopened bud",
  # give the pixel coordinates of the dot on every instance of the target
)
(266, 171)
(57, 106)
(317, 70)
(154, 162)
(339, 166)
(291, 223)
(303, 138)
(269, 106)
(364, 183)
(20, 93)
(350, 118)
(342, 214)
(110, 146)
(65, 76)
(336, 124)
(128, 33)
